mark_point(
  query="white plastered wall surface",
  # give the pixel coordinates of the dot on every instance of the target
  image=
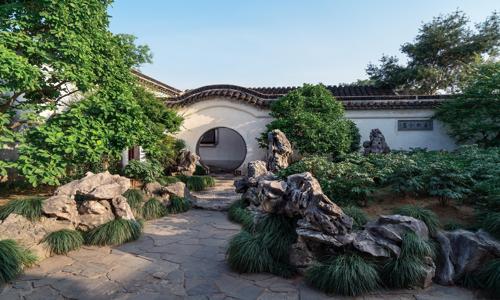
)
(247, 120)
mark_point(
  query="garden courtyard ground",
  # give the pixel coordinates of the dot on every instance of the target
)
(178, 257)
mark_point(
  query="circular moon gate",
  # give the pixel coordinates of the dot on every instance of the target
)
(222, 149)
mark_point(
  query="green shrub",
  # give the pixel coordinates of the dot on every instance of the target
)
(64, 241)
(265, 249)
(166, 180)
(197, 183)
(135, 199)
(30, 208)
(489, 277)
(452, 225)
(408, 269)
(114, 233)
(13, 258)
(357, 214)
(345, 274)
(200, 171)
(146, 171)
(153, 209)
(355, 136)
(178, 205)
(425, 215)
(238, 213)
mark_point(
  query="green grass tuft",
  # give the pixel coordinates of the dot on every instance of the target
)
(278, 234)
(425, 215)
(247, 254)
(135, 199)
(63, 241)
(196, 182)
(13, 258)
(346, 275)
(491, 223)
(357, 214)
(238, 213)
(178, 205)
(30, 208)
(114, 233)
(154, 209)
(409, 268)
(489, 277)
(166, 180)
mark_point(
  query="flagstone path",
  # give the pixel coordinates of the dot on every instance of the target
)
(178, 257)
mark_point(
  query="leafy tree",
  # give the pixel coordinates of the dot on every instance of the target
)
(55, 52)
(441, 55)
(474, 116)
(312, 120)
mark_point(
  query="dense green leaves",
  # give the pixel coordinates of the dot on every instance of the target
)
(313, 121)
(441, 56)
(474, 116)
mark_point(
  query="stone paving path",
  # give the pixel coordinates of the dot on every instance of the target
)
(219, 197)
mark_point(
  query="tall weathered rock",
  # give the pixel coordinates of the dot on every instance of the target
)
(376, 144)
(186, 162)
(279, 150)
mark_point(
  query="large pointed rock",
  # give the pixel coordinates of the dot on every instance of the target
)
(62, 207)
(94, 213)
(279, 150)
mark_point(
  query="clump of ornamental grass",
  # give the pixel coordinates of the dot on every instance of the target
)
(425, 215)
(178, 205)
(153, 209)
(408, 269)
(358, 216)
(64, 241)
(166, 180)
(197, 182)
(116, 232)
(135, 199)
(491, 223)
(345, 274)
(265, 248)
(238, 213)
(30, 208)
(13, 258)
(489, 277)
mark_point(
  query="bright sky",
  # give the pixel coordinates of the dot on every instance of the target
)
(275, 42)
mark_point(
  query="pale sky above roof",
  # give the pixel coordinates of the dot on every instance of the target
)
(275, 42)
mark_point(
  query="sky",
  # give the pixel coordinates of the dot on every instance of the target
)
(275, 42)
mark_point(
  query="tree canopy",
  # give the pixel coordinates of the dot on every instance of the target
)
(313, 121)
(474, 115)
(60, 58)
(441, 55)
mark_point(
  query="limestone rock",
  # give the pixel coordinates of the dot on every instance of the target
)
(445, 269)
(91, 186)
(178, 189)
(256, 171)
(61, 206)
(376, 144)
(107, 191)
(271, 195)
(121, 208)
(256, 168)
(430, 271)
(301, 256)
(306, 199)
(186, 162)
(279, 150)
(30, 234)
(153, 189)
(94, 213)
(469, 250)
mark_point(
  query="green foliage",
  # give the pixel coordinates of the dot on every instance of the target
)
(474, 115)
(30, 208)
(178, 205)
(490, 222)
(114, 233)
(87, 61)
(408, 269)
(425, 215)
(165, 151)
(135, 199)
(265, 249)
(441, 56)
(345, 274)
(447, 181)
(13, 258)
(146, 171)
(166, 180)
(196, 182)
(489, 277)
(238, 213)
(64, 241)
(355, 136)
(154, 209)
(200, 170)
(357, 214)
(312, 120)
